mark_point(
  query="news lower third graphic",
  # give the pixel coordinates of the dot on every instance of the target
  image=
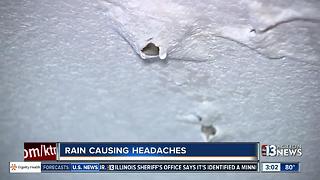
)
(158, 151)
(107, 157)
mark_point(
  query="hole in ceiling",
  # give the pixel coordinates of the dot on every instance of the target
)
(209, 131)
(150, 50)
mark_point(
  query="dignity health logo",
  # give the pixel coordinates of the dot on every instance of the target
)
(25, 167)
(13, 167)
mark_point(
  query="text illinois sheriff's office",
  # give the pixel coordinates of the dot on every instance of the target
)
(125, 150)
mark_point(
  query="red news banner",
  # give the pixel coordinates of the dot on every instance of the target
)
(40, 151)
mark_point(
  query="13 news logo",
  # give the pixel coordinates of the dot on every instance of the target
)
(281, 150)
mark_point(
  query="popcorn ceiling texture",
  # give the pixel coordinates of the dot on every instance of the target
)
(70, 70)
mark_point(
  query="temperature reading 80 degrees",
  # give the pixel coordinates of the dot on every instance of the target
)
(289, 167)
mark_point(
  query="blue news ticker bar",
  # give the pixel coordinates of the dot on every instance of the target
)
(191, 149)
(156, 167)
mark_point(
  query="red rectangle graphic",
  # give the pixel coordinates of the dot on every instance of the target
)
(40, 151)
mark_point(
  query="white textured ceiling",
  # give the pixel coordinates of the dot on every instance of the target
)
(69, 71)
